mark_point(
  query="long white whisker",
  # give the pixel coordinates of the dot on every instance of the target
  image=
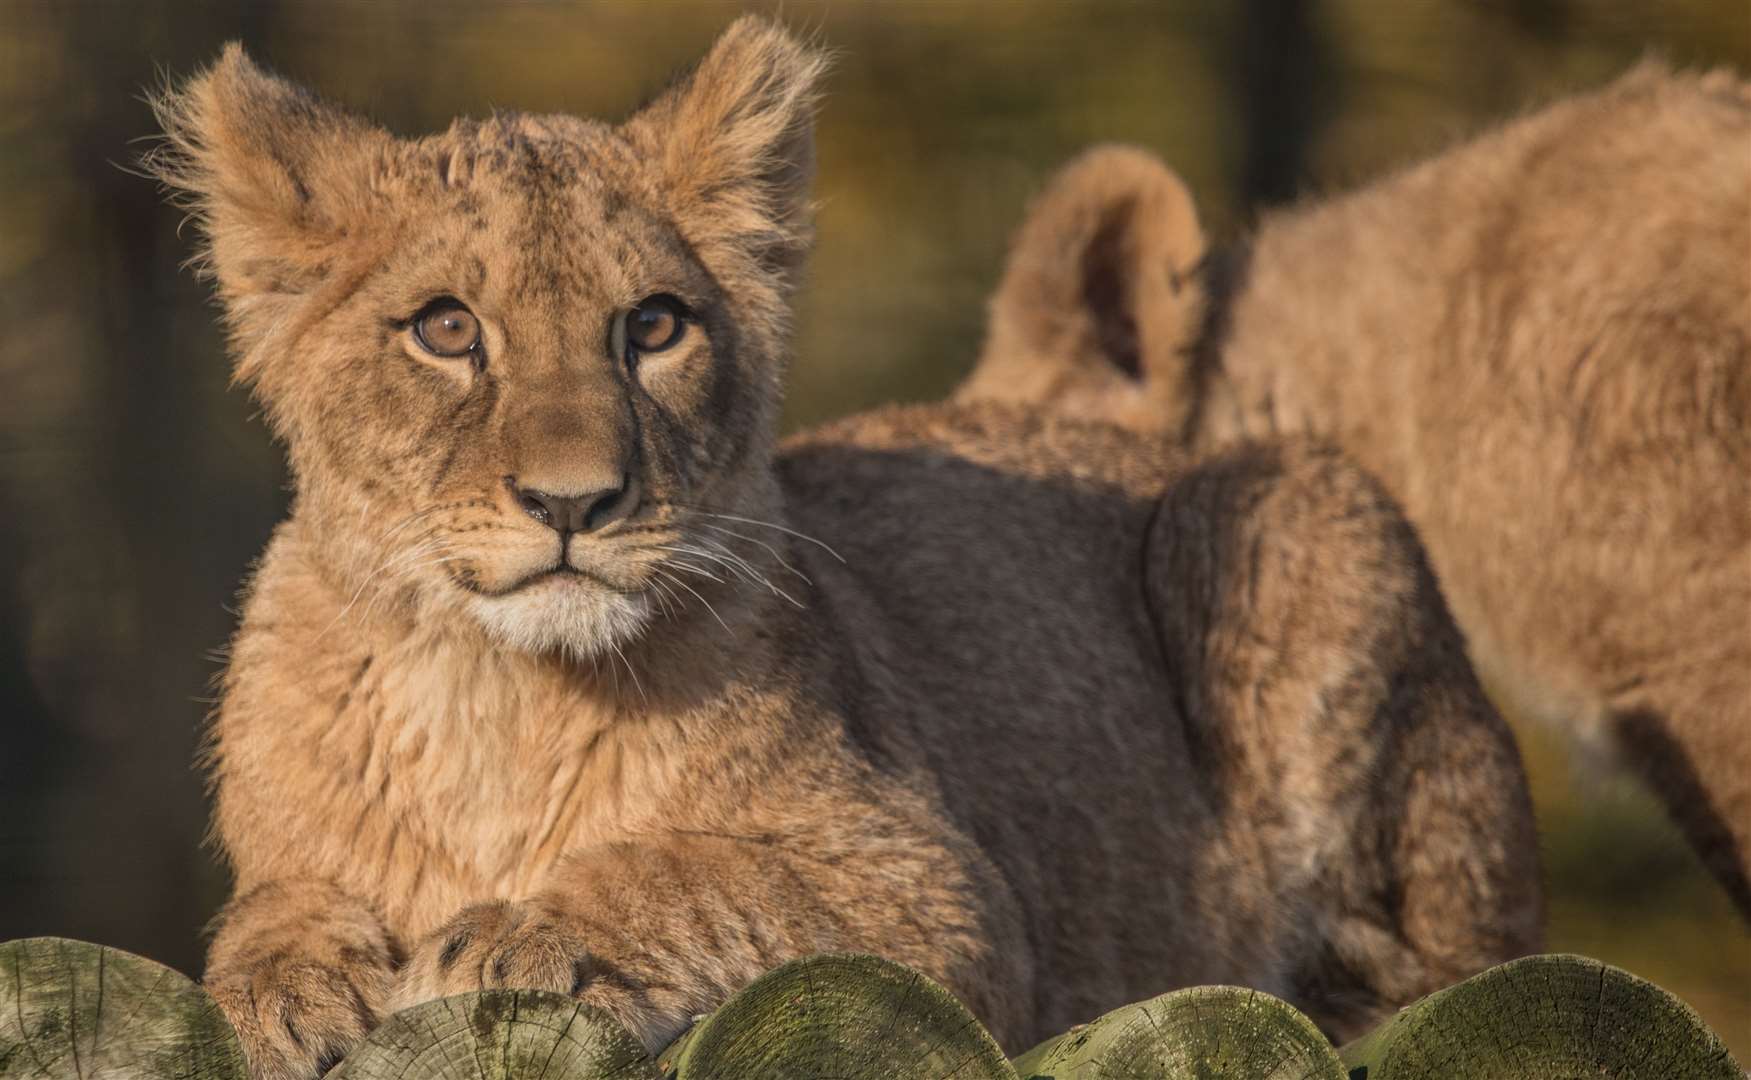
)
(629, 671)
(402, 573)
(701, 553)
(692, 569)
(769, 525)
(756, 540)
(749, 573)
(703, 600)
(382, 568)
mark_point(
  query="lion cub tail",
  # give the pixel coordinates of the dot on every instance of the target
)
(1102, 304)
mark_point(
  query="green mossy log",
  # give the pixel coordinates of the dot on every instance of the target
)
(498, 1035)
(849, 1017)
(1200, 1033)
(74, 1009)
(68, 1008)
(1554, 1017)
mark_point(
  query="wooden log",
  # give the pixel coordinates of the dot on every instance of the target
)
(1544, 1016)
(75, 1009)
(851, 1017)
(498, 1035)
(1202, 1032)
(68, 1008)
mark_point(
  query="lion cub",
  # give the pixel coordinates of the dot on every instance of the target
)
(1540, 341)
(561, 675)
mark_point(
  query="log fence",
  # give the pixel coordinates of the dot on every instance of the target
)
(73, 1009)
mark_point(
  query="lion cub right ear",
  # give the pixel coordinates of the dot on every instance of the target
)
(1100, 306)
(274, 178)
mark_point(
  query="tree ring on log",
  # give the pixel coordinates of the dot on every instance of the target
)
(498, 1035)
(847, 1016)
(70, 1008)
(1202, 1031)
(1556, 1015)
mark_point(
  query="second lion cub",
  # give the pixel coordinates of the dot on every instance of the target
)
(561, 674)
(1540, 340)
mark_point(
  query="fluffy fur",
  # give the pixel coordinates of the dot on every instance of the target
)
(1540, 340)
(1033, 706)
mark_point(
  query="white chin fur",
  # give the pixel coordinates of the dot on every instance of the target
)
(568, 617)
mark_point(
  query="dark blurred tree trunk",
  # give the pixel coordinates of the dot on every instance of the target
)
(1282, 67)
(116, 488)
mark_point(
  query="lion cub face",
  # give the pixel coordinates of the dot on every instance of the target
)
(517, 365)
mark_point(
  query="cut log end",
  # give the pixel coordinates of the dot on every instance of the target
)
(69, 1008)
(1549, 1016)
(838, 1015)
(499, 1035)
(1205, 1031)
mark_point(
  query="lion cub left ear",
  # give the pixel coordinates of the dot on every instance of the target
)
(733, 145)
(1100, 304)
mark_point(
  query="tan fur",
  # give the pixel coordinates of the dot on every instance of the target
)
(1541, 341)
(1035, 707)
(1101, 274)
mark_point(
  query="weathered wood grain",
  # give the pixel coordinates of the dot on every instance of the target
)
(1554, 1016)
(843, 1016)
(498, 1035)
(71, 1009)
(1202, 1032)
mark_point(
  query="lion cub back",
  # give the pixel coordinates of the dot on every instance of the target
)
(1540, 340)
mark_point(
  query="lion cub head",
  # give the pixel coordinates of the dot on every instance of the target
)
(516, 364)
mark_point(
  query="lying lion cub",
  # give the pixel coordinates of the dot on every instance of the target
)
(561, 675)
(1540, 341)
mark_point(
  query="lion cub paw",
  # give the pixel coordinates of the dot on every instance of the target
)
(297, 1017)
(500, 944)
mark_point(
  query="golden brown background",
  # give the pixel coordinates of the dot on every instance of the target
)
(134, 487)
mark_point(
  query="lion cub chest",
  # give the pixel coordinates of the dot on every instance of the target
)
(425, 776)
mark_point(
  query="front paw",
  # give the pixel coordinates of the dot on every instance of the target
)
(501, 944)
(297, 1017)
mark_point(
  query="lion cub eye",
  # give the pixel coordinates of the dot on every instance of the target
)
(445, 328)
(654, 324)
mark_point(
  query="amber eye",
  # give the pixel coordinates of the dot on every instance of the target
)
(445, 328)
(654, 324)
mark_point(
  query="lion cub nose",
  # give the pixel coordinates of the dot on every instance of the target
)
(583, 513)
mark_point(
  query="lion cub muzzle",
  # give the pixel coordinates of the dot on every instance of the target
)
(574, 456)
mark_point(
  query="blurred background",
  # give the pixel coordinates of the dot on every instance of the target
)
(135, 487)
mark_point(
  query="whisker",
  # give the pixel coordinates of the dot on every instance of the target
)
(415, 551)
(822, 544)
(703, 600)
(747, 571)
(664, 595)
(740, 572)
(690, 568)
(756, 540)
(629, 671)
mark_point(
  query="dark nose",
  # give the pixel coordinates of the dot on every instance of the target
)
(574, 513)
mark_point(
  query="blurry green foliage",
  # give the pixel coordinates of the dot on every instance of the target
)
(134, 487)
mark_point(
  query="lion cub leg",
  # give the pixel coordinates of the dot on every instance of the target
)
(302, 971)
(1687, 731)
(1371, 816)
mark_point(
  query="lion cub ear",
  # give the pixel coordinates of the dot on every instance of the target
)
(733, 145)
(1100, 306)
(274, 178)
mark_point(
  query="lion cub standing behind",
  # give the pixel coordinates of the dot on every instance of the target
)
(561, 675)
(1540, 341)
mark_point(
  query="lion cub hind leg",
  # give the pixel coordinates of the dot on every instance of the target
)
(1355, 770)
